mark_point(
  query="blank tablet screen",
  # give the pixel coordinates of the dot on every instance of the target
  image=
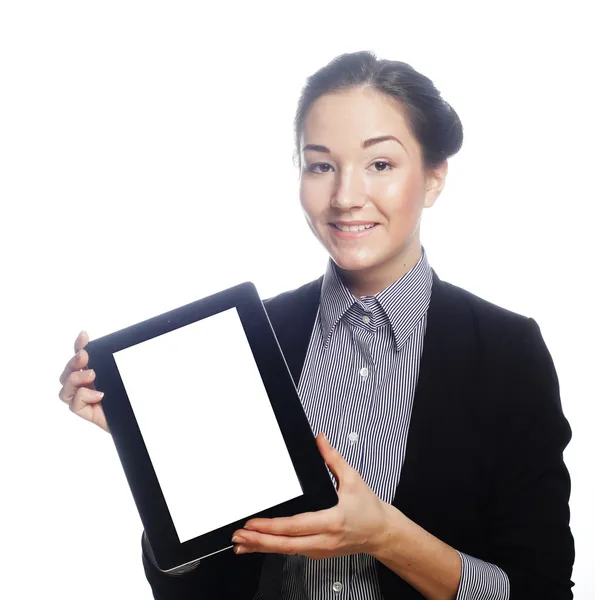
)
(207, 424)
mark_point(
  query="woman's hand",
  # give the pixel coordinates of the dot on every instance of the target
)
(357, 524)
(78, 389)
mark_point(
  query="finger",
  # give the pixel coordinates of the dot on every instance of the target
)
(81, 341)
(89, 408)
(74, 381)
(79, 361)
(83, 397)
(309, 523)
(312, 545)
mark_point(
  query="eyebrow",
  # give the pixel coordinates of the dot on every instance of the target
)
(367, 143)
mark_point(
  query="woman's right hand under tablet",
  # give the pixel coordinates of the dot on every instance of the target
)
(78, 389)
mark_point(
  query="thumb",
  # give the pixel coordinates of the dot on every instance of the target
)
(332, 457)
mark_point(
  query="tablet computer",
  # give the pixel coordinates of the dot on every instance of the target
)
(208, 424)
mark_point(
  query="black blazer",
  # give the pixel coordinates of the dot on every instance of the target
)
(483, 468)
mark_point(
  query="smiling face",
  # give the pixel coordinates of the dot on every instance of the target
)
(362, 167)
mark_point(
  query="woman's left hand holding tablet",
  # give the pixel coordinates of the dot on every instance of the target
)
(357, 524)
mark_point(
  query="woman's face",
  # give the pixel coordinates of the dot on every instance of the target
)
(354, 174)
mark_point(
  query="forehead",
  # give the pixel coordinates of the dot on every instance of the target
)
(349, 117)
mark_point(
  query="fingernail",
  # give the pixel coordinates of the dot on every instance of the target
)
(100, 394)
(239, 549)
(236, 539)
(324, 437)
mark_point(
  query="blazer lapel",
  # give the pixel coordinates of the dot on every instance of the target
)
(440, 475)
(431, 379)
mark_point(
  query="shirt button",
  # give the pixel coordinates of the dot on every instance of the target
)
(337, 586)
(363, 371)
(353, 436)
(366, 319)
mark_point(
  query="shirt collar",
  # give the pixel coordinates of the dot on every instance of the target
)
(404, 302)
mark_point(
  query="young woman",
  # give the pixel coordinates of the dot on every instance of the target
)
(442, 410)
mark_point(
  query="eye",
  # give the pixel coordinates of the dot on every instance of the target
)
(324, 168)
(382, 166)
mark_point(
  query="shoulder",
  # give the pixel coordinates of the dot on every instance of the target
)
(515, 363)
(489, 321)
(507, 348)
(514, 402)
(479, 305)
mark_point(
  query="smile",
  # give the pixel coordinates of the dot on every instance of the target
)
(353, 227)
(352, 232)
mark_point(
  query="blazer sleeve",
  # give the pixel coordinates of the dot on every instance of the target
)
(220, 577)
(527, 509)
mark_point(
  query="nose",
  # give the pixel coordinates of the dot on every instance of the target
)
(349, 190)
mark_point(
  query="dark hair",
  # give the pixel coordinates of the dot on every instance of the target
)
(432, 121)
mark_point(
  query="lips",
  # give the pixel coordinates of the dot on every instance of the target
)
(353, 232)
(353, 227)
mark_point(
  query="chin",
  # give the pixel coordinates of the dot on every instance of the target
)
(355, 263)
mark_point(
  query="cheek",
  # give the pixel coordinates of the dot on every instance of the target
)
(398, 197)
(312, 200)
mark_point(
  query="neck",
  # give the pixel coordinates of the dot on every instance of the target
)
(369, 282)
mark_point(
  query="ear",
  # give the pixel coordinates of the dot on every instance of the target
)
(435, 179)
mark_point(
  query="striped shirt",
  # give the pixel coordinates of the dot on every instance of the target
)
(357, 385)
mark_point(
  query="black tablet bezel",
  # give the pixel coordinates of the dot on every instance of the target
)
(319, 491)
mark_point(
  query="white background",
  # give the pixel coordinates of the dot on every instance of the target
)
(145, 161)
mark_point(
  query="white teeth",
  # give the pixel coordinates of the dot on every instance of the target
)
(353, 227)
